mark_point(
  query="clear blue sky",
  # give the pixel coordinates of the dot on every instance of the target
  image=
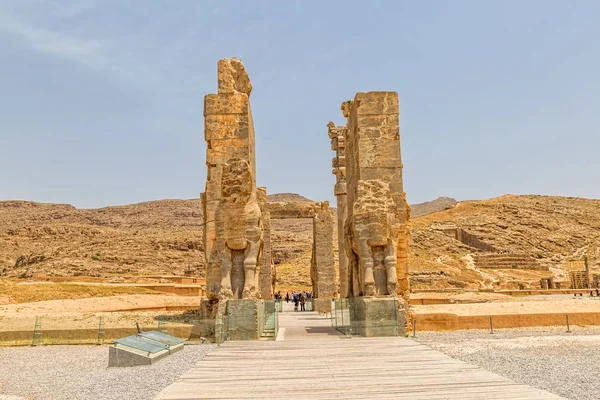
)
(102, 100)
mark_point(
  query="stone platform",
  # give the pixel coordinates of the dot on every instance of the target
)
(314, 361)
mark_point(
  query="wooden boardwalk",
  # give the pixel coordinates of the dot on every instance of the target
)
(315, 362)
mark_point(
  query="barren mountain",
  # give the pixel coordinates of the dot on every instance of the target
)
(53, 240)
(428, 207)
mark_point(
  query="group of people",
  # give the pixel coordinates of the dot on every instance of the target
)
(299, 299)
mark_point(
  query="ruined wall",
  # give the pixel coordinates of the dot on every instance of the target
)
(233, 232)
(292, 209)
(376, 228)
(469, 239)
(337, 134)
(322, 268)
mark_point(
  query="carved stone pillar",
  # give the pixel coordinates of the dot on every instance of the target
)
(337, 134)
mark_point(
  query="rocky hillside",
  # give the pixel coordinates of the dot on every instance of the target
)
(554, 231)
(53, 240)
(428, 207)
(158, 237)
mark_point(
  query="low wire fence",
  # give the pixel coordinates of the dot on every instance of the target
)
(101, 329)
(104, 328)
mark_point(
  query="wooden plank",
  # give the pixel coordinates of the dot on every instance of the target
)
(316, 361)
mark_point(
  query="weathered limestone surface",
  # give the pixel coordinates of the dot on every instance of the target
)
(267, 268)
(244, 319)
(232, 213)
(337, 134)
(322, 270)
(376, 317)
(376, 239)
(292, 209)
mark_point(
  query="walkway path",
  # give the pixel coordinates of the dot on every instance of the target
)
(315, 362)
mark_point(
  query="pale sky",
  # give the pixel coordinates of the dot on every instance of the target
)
(102, 99)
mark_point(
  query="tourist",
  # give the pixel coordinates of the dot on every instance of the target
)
(303, 301)
(295, 302)
(287, 297)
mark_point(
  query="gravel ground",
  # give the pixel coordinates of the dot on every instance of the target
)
(81, 372)
(563, 363)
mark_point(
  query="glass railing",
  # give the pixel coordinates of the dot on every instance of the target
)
(279, 305)
(269, 323)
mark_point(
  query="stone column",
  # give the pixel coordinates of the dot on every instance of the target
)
(337, 134)
(267, 269)
(322, 265)
(233, 227)
(589, 261)
(376, 224)
(376, 228)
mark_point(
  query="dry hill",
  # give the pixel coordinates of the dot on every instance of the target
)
(428, 207)
(51, 240)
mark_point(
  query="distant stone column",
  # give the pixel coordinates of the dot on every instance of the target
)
(267, 269)
(337, 134)
(233, 233)
(589, 261)
(323, 273)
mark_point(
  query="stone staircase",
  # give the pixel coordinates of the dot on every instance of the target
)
(508, 261)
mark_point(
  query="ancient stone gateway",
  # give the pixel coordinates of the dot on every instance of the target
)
(372, 215)
(237, 234)
(323, 273)
(368, 167)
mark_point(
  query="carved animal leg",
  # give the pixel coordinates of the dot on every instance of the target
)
(390, 266)
(226, 264)
(365, 259)
(250, 270)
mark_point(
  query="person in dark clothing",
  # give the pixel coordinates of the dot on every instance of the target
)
(302, 301)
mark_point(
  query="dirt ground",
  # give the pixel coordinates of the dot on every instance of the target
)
(27, 292)
(516, 306)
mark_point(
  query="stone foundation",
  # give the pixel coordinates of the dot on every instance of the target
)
(244, 319)
(322, 305)
(377, 317)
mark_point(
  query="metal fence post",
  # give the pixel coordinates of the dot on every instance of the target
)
(415, 327)
(568, 326)
(491, 326)
(100, 330)
(37, 332)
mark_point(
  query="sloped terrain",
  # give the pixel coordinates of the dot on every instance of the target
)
(428, 207)
(49, 241)
(552, 230)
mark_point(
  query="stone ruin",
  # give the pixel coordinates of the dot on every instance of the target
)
(337, 134)
(237, 216)
(372, 215)
(376, 221)
(232, 204)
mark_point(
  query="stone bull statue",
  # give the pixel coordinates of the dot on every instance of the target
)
(240, 230)
(371, 238)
